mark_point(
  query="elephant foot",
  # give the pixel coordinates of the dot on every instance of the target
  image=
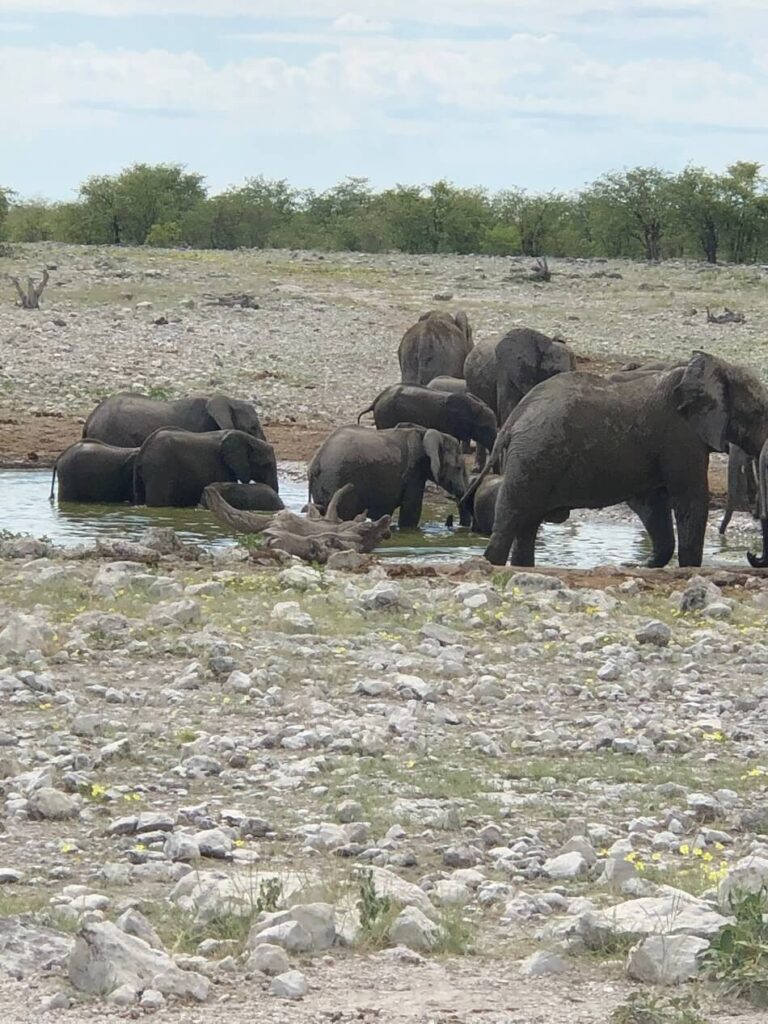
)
(757, 561)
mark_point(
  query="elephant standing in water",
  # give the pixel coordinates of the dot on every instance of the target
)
(173, 467)
(436, 346)
(462, 416)
(91, 471)
(127, 419)
(581, 441)
(388, 470)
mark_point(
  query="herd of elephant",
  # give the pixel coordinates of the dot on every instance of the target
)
(548, 439)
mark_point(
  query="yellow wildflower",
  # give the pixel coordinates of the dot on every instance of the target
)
(685, 849)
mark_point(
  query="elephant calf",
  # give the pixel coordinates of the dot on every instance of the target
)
(461, 415)
(92, 471)
(174, 467)
(247, 497)
(388, 469)
(454, 385)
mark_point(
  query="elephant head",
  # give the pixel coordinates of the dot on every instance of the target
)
(723, 403)
(234, 414)
(249, 459)
(446, 465)
(461, 321)
(471, 419)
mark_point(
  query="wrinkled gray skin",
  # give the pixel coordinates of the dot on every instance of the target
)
(581, 441)
(483, 506)
(525, 358)
(462, 416)
(453, 385)
(174, 466)
(247, 497)
(388, 469)
(127, 419)
(742, 486)
(436, 346)
(95, 472)
(480, 374)
(761, 561)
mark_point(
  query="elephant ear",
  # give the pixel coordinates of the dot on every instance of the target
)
(461, 321)
(219, 408)
(246, 418)
(702, 397)
(433, 445)
(235, 452)
(427, 315)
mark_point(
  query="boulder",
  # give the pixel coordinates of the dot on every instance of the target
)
(666, 959)
(412, 928)
(291, 985)
(268, 958)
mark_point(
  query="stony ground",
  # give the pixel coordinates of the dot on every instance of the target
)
(425, 792)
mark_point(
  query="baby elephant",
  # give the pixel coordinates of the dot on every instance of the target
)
(246, 497)
(93, 471)
(453, 385)
(461, 415)
(388, 470)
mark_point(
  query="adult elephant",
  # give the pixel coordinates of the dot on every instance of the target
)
(246, 497)
(388, 470)
(174, 466)
(525, 358)
(95, 472)
(436, 346)
(127, 419)
(581, 441)
(462, 416)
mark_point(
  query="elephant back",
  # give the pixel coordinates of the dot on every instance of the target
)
(436, 346)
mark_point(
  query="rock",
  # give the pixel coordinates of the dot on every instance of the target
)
(388, 884)
(291, 985)
(748, 875)
(9, 876)
(186, 612)
(675, 913)
(213, 842)
(52, 805)
(300, 577)
(543, 963)
(704, 806)
(181, 848)
(288, 614)
(288, 934)
(23, 633)
(268, 958)
(132, 922)
(413, 928)
(655, 633)
(305, 927)
(151, 1000)
(666, 959)
(698, 594)
(533, 581)
(566, 865)
(385, 594)
(450, 893)
(348, 561)
(104, 958)
(349, 811)
(27, 949)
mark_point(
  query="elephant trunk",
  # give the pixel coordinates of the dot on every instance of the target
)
(761, 562)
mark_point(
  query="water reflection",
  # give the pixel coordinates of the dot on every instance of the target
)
(587, 539)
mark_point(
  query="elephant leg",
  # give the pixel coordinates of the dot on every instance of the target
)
(760, 561)
(725, 521)
(655, 513)
(410, 505)
(691, 519)
(481, 455)
(524, 546)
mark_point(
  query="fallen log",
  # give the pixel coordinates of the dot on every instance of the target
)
(312, 537)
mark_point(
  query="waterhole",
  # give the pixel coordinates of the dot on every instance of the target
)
(609, 537)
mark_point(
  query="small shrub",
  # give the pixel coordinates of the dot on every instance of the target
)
(456, 932)
(376, 912)
(738, 956)
(270, 895)
(646, 1008)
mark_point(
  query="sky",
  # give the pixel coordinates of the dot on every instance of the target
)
(538, 94)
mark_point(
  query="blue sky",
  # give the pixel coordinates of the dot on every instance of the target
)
(542, 95)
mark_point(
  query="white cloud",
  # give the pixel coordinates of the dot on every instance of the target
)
(354, 23)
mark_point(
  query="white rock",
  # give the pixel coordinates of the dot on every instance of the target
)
(413, 928)
(666, 959)
(566, 865)
(288, 614)
(542, 963)
(291, 985)
(675, 913)
(268, 958)
(23, 633)
(186, 612)
(151, 1000)
(656, 633)
(52, 805)
(451, 893)
(104, 958)
(748, 875)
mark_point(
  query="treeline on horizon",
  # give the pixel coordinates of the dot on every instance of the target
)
(642, 213)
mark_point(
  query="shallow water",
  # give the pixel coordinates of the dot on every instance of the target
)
(587, 539)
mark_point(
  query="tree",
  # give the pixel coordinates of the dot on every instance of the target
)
(6, 196)
(30, 221)
(638, 201)
(745, 210)
(698, 203)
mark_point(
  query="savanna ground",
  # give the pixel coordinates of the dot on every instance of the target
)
(477, 720)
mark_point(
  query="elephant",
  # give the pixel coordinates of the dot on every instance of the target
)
(388, 468)
(453, 385)
(483, 506)
(92, 471)
(582, 441)
(462, 416)
(174, 466)
(435, 346)
(127, 419)
(247, 497)
(742, 486)
(525, 358)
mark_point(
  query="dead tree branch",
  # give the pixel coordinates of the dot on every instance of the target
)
(30, 299)
(540, 270)
(727, 317)
(313, 539)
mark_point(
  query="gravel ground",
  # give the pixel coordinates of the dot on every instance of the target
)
(188, 743)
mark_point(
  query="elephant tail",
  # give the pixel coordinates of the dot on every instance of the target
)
(53, 479)
(370, 408)
(139, 491)
(761, 561)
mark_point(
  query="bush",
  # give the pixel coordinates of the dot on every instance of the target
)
(738, 956)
